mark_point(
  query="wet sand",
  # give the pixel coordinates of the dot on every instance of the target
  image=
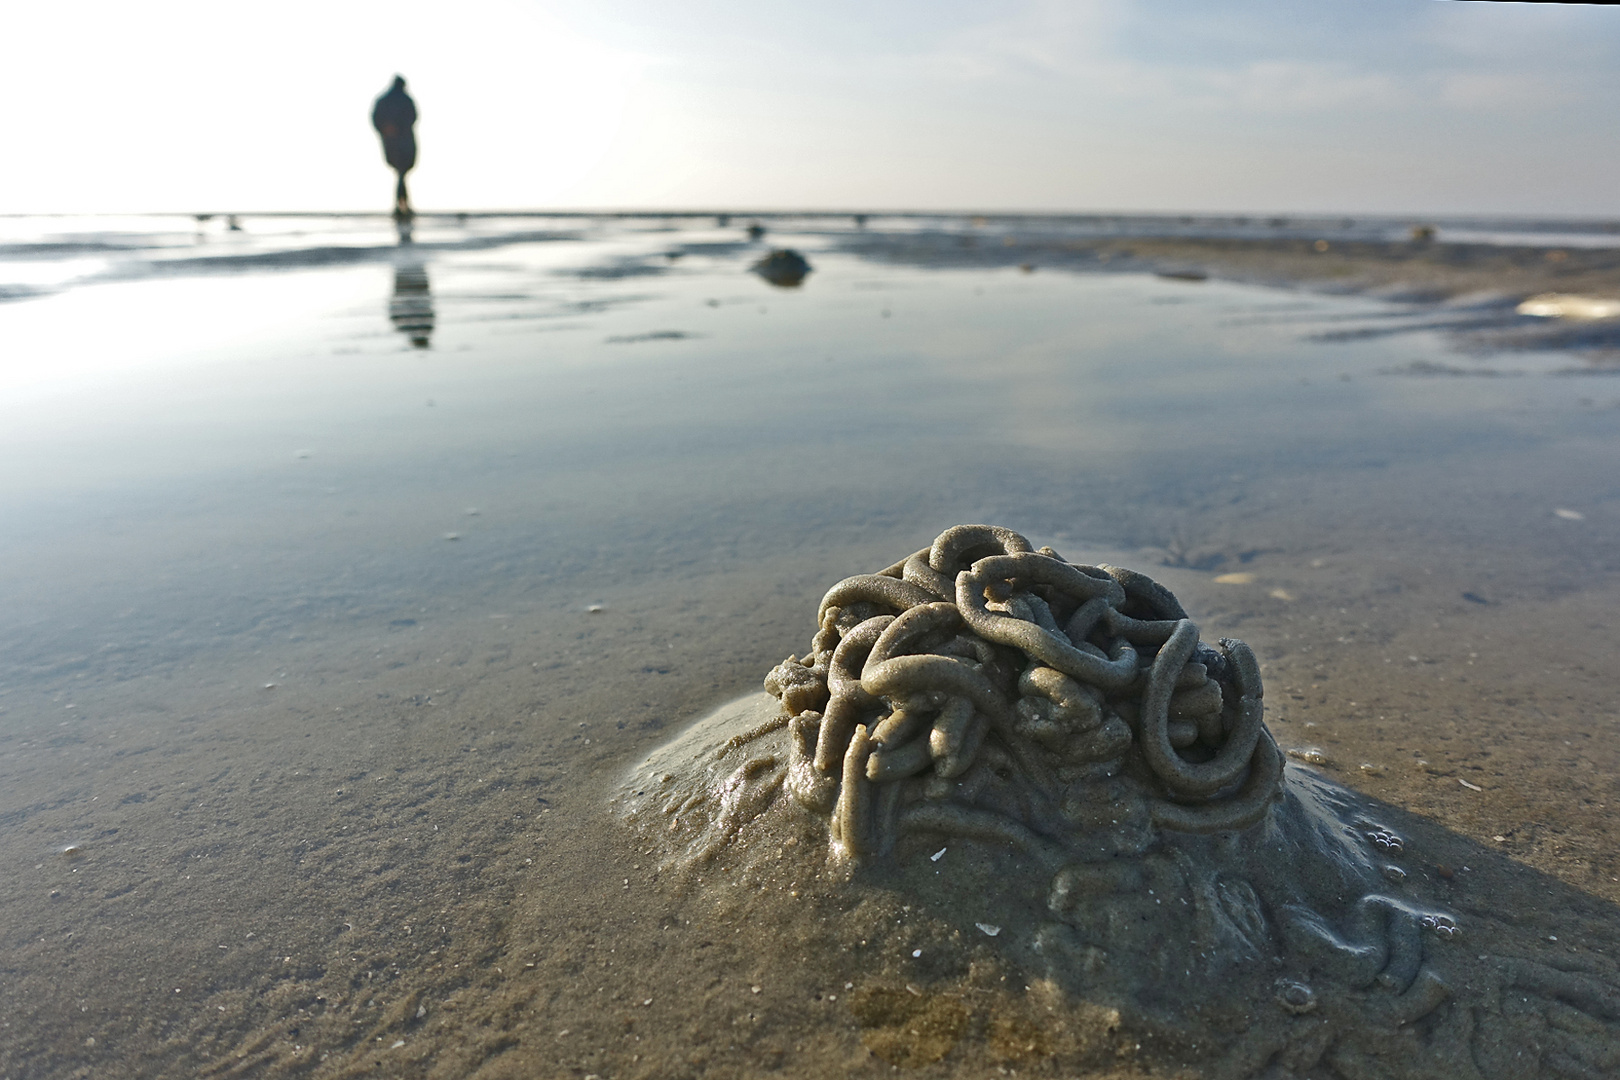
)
(1414, 269)
(1467, 290)
(294, 785)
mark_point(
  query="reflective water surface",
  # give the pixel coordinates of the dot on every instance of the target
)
(343, 577)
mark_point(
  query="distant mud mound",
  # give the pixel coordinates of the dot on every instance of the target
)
(783, 267)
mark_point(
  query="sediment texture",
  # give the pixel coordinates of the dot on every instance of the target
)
(1067, 723)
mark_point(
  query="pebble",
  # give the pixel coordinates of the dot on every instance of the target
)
(1309, 754)
(938, 855)
(989, 930)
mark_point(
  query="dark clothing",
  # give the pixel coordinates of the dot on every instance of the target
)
(393, 116)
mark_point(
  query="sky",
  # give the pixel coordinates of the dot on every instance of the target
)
(1381, 106)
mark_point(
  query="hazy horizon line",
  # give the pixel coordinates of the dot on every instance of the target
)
(756, 212)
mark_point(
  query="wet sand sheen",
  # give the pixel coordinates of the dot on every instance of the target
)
(446, 828)
(392, 867)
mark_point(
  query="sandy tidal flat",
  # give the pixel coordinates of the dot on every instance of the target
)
(321, 652)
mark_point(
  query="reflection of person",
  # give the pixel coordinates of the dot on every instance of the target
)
(394, 116)
(410, 309)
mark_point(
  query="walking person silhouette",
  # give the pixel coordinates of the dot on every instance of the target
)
(394, 116)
